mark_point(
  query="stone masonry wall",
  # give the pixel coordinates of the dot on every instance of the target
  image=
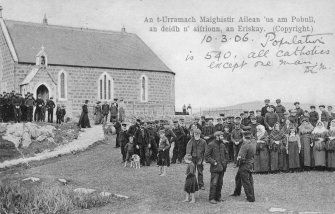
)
(6, 66)
(83, 84)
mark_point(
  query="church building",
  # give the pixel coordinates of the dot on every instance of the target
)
(77, 64)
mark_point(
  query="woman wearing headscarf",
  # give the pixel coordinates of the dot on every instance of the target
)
(262, 160)
(319, 136)
(277, 148)
(330, 146)
(305, 131)
(293, 149)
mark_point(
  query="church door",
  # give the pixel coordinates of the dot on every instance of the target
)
(43, 91)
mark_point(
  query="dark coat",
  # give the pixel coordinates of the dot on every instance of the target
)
(197, 149)
(271, 119)
(50, 105)
(84, 122)
(105, 109)
(264, 110)
(217, 153)
(142, 138)
(247, 151)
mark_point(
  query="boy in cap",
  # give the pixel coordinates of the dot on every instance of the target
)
(124, 139)
(244, 174)
(265, 108)
(313, 116)
(117, 126)
(63, 110)
(58, 114)
(324, 115)
(217, 155)
(280, 110)
(196, 147)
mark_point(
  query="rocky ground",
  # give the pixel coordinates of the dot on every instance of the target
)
(19, 140)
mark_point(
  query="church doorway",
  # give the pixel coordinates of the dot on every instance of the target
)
(43, 91)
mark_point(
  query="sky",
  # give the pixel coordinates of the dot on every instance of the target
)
(196, 84)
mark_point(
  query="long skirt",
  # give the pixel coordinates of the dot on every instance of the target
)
(293, 155)
(191, 184)
(282, 159)
(98, 118)
(331, 159)
(306, 149)
(319, 157)
(274, 161)
(261, 162)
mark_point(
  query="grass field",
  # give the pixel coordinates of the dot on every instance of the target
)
(100, 168)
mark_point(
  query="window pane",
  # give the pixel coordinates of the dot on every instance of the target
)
(105, 87)
(143, 88)
(62, 85)
(101, 89)
(109, 89)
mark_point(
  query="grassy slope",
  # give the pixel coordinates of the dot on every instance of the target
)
(100, 168)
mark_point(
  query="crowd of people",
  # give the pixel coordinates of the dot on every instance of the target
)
(14, 107)
(281, 140)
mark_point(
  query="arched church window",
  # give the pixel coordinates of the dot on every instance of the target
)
(144, 88)
(62, 85)
(105, 84)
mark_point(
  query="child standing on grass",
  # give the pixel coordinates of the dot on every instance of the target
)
(129, 148)
(163, 152)
(58, 114)
(191, 184)
(108, 132)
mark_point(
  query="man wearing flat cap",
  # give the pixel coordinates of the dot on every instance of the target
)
(236, 138)
(207, 132)
(178, 142)
(259, 118)
(143, 144)
(300, 112)
(219, 125)
(245, 161)
(270, 119)
(280, 110)
(265, 108)
(16, 102)
(313, 116)
(196, 147)
(50, 107)
(217, 155)
(245, 119)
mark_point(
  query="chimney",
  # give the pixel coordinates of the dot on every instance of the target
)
(45, 20)
(0, 12)
(123, 29)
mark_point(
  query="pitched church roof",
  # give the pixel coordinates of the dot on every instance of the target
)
(82, 47)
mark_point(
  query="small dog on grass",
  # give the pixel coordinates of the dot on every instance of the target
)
(135, 161)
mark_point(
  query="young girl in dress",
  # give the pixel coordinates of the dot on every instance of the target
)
(191, 184)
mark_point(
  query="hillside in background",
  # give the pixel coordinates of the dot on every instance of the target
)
(235, 110)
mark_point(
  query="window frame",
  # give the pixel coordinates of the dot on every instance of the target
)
(105, 89)
(146, 84)
(60, 85)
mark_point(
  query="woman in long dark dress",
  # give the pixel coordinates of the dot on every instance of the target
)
(319, 136)
(84, 122)
(262, 160)
(305, 132)
(293, 149)
(277, 153)
(330, 146)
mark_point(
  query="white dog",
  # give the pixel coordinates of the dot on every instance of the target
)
(135, 161)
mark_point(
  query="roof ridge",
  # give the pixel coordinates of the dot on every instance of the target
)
(70, 27)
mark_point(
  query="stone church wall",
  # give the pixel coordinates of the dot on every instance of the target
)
(82, 84)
